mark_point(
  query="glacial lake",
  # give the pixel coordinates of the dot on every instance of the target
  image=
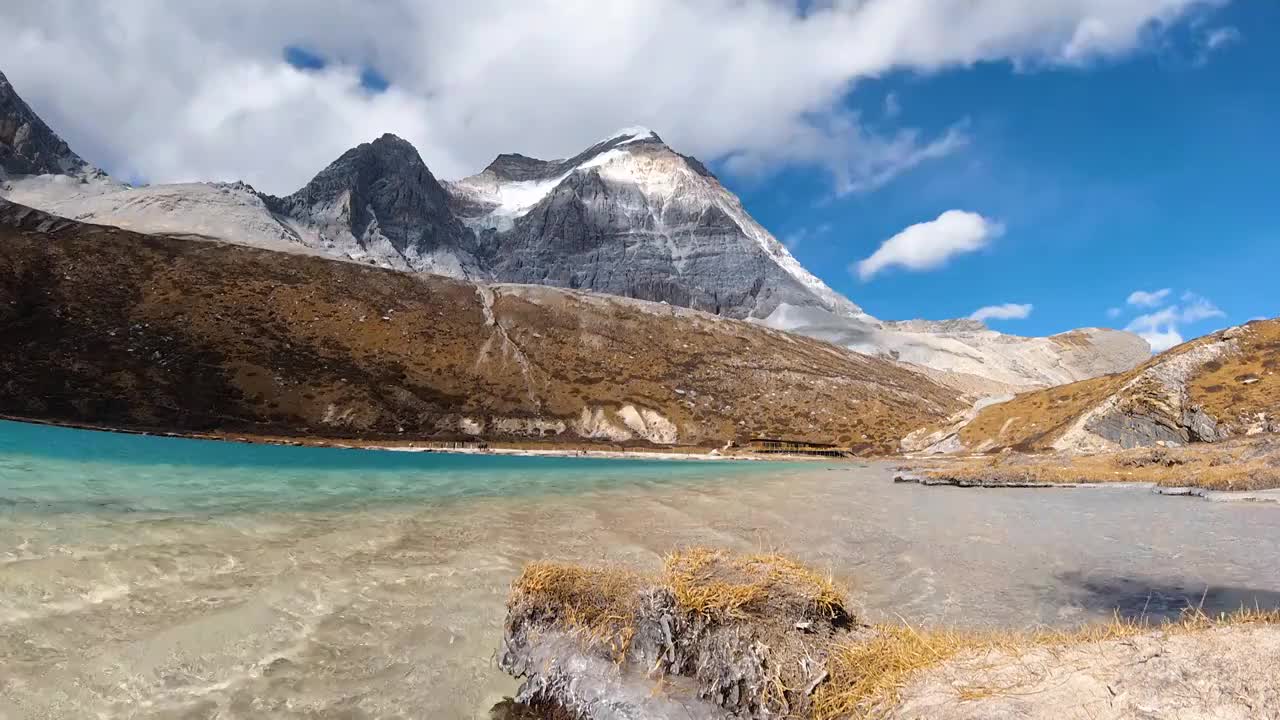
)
(169, 578)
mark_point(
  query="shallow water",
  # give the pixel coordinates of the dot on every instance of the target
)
(157, 577)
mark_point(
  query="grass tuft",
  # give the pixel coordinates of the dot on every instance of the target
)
(599, 604)
(720, 585)
(867, 677)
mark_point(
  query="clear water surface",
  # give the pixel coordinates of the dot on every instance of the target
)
(153, 577)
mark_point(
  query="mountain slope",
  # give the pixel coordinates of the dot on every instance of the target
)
(1222, 385)
(629, 216)
(972, 356)
(112, 327)
(380, 202)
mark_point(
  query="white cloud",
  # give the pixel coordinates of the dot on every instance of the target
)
(1007, 311)
(1159, 329)
(1213, 40)
(929, 245)
(180, 90)
(892, 108)
(793, 239)
(1221, 37)
(858, 159)
(1113, 312)
(1196, 308)
(1163, 328)
(1142, 298)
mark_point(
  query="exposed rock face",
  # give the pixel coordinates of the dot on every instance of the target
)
(1219, 386)
(631, 217)
(1154, 407)
(380, 202)
(27, 145)
(111, 327)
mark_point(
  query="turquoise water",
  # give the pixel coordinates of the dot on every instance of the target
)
(53, 469)
(169, 578)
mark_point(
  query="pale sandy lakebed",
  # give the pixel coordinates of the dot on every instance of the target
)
(159, 577)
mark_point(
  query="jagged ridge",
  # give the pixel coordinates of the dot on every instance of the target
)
(27, 145)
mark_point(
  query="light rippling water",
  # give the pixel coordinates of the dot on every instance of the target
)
(168, 578)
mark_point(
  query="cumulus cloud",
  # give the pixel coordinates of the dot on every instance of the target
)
(1196, 308)
(1007, 311)
(1142, 298)
(1221, 37)
(174, 90)
(929, 245)
(1162, 329)
(1159, 329)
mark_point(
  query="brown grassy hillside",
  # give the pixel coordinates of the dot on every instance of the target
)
(1222, 385)
(110, 327)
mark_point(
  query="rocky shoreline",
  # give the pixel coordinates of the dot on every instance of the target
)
(1265, 496)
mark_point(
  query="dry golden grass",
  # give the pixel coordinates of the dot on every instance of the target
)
(1033, 420)
(716, 584)
(1233, 389)
(111, 328)
(1248, 382)
(1243, 464)
(866, 677)
(599, 604)
(721, 585)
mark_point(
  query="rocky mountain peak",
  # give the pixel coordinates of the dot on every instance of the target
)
(388, 169)
(515, 167)
(27, 145)
(630, 216)
(381, 196)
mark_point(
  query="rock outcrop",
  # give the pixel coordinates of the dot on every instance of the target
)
(380, 203)
(28, 146)
(715, 636)
(1216, 387)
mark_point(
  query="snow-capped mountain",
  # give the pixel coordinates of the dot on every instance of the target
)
(628, 216)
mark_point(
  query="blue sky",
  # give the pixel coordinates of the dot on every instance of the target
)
(1081, 150)
(1158, 171)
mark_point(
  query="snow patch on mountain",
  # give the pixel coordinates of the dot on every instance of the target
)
(671, 186)
(635, 133)
(509, 200)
